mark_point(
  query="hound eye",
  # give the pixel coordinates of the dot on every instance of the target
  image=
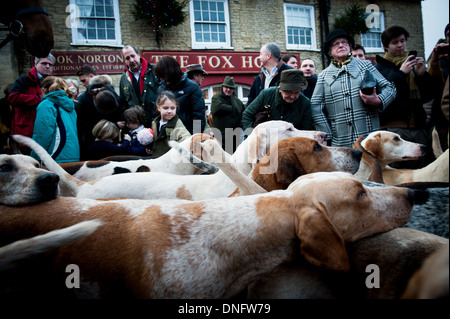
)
(317, 147)
(396, 139)
(290, 129)
(5, 168)
(361, 195)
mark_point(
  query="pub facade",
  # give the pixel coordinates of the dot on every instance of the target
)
(225, 36)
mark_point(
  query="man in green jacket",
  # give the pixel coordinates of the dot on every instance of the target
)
(226, 110)
(287, 103)
(138, 84)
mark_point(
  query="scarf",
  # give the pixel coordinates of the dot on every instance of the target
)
(398, 61)
(341, 64)
(144, 65)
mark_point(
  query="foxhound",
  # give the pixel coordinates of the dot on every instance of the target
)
(385, 147)
(203, 249)
(91, 170)
(380, 268)
(23, 182)
(154, 185)
(286, 161)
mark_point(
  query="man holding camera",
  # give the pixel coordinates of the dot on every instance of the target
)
(406, 115)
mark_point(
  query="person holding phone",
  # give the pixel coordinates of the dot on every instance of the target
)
(405, 115)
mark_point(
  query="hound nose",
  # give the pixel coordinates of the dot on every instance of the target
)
(48, 179)
(418, 196)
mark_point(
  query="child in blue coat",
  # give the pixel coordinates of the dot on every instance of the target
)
(55, 127)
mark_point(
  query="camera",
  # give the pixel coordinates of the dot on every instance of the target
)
(414, 52)
(444, 49)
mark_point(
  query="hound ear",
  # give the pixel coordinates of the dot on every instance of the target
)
(321, 244)
(373, 146)
(257, 146)
(290, 164)
(196, 147)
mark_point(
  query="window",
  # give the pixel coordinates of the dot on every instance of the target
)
(371, 41)
(208, 92)
(299, 27)
(96, 22)
(210, 24)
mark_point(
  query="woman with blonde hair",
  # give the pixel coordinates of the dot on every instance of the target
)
(55, 127)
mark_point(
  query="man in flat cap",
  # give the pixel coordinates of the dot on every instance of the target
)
(286, 101)
(196, 73)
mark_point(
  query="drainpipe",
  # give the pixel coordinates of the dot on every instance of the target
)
(324, 9)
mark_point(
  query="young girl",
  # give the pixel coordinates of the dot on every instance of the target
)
(55, 127)
(167, 126)
(105, 133)
(135, 118)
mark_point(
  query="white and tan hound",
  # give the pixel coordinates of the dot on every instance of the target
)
(154, 185)
(23, 182)
(204, 249)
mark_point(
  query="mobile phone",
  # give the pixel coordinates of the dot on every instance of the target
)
(444, 49)
(414, 52)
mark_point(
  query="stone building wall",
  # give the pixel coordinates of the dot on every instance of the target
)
(253, 23)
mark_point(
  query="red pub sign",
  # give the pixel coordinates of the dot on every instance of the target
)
(111, 62)
(213, 62)
(105, 62)
(218, 64)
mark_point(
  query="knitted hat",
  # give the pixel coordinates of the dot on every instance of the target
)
(292, 79)
(195, 67)
(337, 33)
(229, 82)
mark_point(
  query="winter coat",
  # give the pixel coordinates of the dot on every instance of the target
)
(172, 130)
(258, 82)
(102, 149)
(88, 116)
(136, 148)
(297, 113)
(405, 112)
(226, 112)
(25, 96)
(312, 80)
(148, 86)
(49, 134)
(190, 100)
(337, 107)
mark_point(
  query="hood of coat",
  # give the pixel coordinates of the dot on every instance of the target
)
(60, 98)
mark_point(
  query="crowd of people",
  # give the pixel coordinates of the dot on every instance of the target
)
(161, 102)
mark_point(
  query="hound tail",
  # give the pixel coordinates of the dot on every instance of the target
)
(22, 249)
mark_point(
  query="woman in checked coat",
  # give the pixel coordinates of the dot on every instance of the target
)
(338, 106)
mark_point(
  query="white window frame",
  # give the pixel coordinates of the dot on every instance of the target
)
(378, 31)
(211, 45)
(76, 40)
(291, 46)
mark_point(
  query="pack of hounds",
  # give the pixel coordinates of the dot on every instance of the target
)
(284, 216)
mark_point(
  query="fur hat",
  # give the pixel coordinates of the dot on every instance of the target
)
(145, 136)
(292, 80)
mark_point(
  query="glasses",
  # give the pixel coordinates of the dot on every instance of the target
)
(338, 43)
